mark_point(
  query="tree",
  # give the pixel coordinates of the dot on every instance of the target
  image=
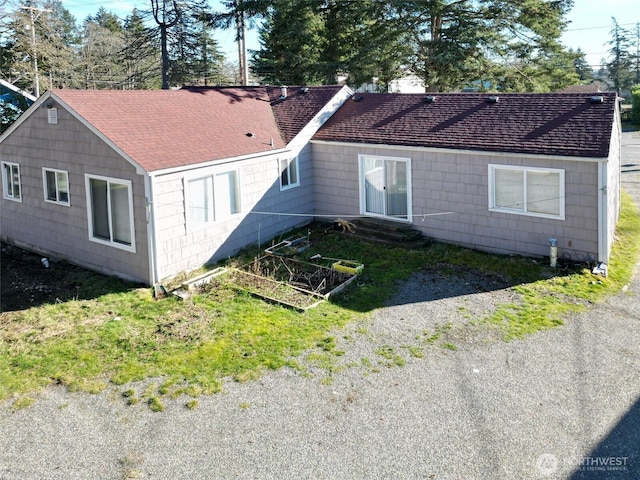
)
(194, 52)
(102, 42)
(619, 67)
(44, 38)
(166, 17)
(310, 42)
(179, 33)
(582, 67)
(635, 57)
(139, 55)
(292, 39)
(208, 63)
(635, 104)
(364, 40)
(460, 41)
(450, 43)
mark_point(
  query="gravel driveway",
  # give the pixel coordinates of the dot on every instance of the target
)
(561, 404)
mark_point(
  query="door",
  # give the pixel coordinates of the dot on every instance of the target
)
(385, 187)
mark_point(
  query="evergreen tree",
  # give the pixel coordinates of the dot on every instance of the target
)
(619, 66)
(139, 56)
(45, 38)
(292, 39)
(583, 69)
(179, 36)
(461, 41)
(100, 62)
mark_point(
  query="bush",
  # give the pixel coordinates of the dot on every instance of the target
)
(635, 104)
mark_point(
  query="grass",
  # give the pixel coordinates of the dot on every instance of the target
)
(119, 335)
(546, 302)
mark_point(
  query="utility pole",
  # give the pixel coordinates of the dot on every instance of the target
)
(34, 17)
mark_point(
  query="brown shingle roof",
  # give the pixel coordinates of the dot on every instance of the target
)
(549, 124)
(161, 129)
(299, 107)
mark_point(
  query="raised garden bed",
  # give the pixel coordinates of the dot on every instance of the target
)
(289, 247)
(294, 283)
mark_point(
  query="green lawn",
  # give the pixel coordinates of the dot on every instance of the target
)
(120, 334)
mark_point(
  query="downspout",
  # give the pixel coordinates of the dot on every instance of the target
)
(151, 230)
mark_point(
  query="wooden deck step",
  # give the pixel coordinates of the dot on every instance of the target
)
(382, 231)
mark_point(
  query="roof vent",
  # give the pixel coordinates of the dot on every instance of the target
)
(304, 89)
(283, 92)
(596, 99)
(357, 98)
(493, 99)
(250, 134)
(429, 99)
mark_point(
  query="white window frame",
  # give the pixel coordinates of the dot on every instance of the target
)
(362, 158)
(45, 186)
(522, 209)
(216, 216)
(110, 242)
(8, 187)
(284, 168)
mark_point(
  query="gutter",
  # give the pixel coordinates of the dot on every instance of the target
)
(477, 153)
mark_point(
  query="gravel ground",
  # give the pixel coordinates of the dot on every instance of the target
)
(561, 404)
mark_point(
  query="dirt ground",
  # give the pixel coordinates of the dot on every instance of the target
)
(26, 282)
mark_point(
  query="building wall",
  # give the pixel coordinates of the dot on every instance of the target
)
(265, 213)
(456, 183)
(613, 184)
(62, 231)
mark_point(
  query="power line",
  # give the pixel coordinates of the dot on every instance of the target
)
(597, 27)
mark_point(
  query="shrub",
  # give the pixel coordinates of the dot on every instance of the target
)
(635, 104)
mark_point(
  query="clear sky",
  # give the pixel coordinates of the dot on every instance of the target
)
(591, 24)
(589, 30)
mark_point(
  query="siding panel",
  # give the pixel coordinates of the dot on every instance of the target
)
(61, 231)
(458, 183)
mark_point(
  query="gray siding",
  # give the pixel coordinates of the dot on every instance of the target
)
(457, 182)
(613, 184)
(263, 213)
(61, 231)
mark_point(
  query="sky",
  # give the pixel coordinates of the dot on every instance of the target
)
(589, 28)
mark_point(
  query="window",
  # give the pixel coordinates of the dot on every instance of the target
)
(289, 173)
(56, 186)
(212, 199)
(527, 191)
(11, 181)
(110, 211)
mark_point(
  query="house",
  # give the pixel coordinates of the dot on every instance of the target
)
(500, 173)
(148, 184)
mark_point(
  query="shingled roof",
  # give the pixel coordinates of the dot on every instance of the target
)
(550, 124)
(299, 107)
(161, 129)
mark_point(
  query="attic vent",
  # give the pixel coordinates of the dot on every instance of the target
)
(429, 99)
(493, 99)
(304, 89)
(357, 98)
(596, 99)
(52, 115)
